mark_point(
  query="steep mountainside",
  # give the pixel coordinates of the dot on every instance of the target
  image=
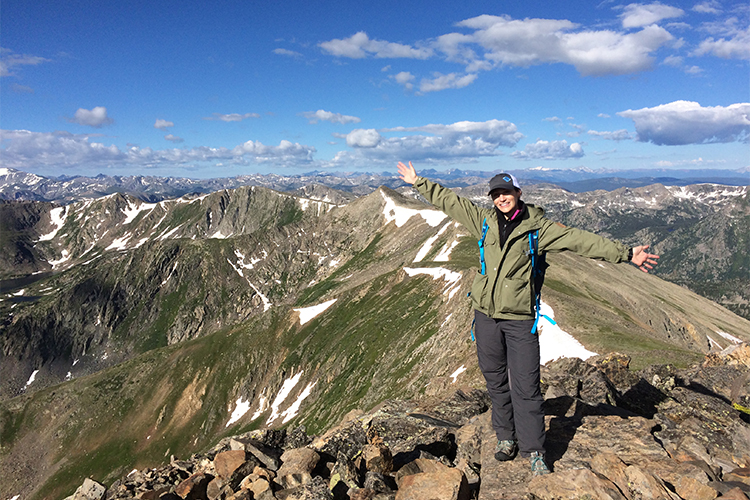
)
(181, 322)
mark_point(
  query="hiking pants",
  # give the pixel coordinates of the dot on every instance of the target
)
(509, 360)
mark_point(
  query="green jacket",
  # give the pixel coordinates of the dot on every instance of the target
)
(506, 290)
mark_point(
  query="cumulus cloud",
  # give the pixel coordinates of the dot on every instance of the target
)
(174, 138)
(404, 78)
(163, 124)
(528, 42)
(545, 150)
(10, 60)
(617, 135)
(232, 117)
(637, 15)
(736, 45)
(441, 82)
(363, 138)
(686, 122)
(25, 149)
(433, 143)
(359, 46)
(96, 117)
(327, 116)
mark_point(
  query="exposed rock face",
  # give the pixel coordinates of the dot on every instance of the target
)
(694, 445)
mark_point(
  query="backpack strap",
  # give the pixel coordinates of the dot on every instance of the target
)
(485, 228)
(535, 271)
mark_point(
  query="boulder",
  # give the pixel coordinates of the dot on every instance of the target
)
(448, 484)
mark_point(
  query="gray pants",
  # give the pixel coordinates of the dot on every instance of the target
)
(509, 359)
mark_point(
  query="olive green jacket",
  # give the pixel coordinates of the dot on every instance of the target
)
(506, 290)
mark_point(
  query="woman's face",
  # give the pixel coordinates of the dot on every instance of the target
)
(506, 200)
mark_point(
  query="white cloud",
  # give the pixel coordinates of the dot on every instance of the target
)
(735, 46)
(404, 78)
(232, 117)
(10, 60)
(96, 117)
(321, 115)
(163, 124)
(359, 46)
(289, 53)
(710, 7)
(363, 138)
(685, 122)
(617, 135)
(442, 82)
(555, 150)
(638, 15)
(528, 42)
(25, 149)
(460, 141)
(174, 138)
(553, 119)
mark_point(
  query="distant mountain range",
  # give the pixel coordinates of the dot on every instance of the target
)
(18, 185)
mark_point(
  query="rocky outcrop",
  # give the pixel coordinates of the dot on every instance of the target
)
(659, 433)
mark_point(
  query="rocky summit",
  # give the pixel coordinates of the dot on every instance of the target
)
(612, 433)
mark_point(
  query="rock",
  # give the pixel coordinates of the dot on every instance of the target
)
(217, 489)
(227, 462)
(734, 494)
(298, 460)
(89, 490)
(343, 476)
(643, 484)
(688, 487)
(377, 457)
(574, 484)
(270, 457)
(419, 466)
(317, 489)
(194, 487)
(741, 474)
(378, 482)
(449, 484)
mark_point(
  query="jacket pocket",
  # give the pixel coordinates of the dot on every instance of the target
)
(513, 296)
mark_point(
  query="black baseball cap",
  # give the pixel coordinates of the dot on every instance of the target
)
(504, 181)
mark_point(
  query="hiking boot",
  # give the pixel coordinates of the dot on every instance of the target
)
(538, 465)
(506, 450)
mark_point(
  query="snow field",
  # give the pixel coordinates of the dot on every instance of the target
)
(401, 215)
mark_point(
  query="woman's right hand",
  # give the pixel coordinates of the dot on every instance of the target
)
(407, 174)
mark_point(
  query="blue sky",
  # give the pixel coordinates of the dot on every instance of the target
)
(215, 89)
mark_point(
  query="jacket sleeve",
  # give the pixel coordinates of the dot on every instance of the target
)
(457, 208)
(554, 237)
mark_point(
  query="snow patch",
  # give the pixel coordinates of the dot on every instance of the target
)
(458, 372)
(286, 388)
(32, 378)
(428, 244)
(729, 337)
(261, 408)
(445, 253)
(241, 407)
(401, 215)
(292, 411)
(308, 313)
(65, 256)
(266, 303)
(452, 278)
(554, 343)
(119, 243)
(57, 220)
(132, 211)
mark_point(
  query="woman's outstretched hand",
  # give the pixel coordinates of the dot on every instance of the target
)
(643, 259)
(407, 174)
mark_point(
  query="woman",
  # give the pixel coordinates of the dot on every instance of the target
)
(503, 299)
